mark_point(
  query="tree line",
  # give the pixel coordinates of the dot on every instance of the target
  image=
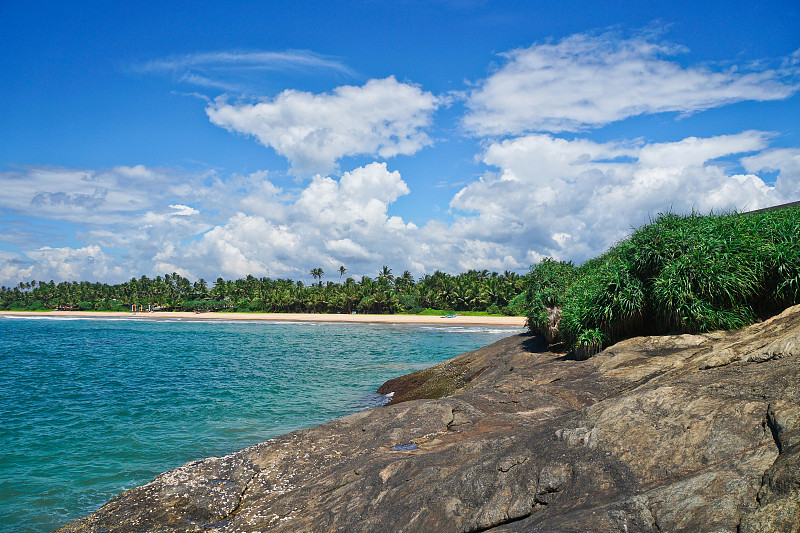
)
(472, 291)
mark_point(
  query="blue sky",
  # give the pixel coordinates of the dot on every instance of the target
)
(272, 138)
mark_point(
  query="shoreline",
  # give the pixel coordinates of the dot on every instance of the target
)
(517, 321)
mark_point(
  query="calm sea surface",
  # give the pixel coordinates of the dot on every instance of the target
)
(92, 407)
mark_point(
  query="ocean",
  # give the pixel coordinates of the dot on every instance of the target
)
(92, 407)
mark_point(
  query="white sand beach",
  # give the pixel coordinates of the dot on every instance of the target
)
(295, 317)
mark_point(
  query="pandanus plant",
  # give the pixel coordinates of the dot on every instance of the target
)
(689, 273)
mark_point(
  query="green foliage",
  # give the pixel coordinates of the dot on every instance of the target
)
(548, 280)
(689, 273)
(474, 291)
(518, 306)
(408, 302)
(37, 305)
(605, 297)
(112, 305)
(443, 312)
(545, 285)
(493, 310)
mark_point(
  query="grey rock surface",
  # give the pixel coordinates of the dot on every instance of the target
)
(654, 434)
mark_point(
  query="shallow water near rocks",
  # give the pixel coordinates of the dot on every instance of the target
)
(92, 407)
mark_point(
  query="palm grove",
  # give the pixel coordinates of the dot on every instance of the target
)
(476, 291)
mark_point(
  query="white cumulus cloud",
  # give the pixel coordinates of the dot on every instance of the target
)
(183, 210)
(785, 161)
(88, 263)
(383, 117)
(108, 196)
(330, 222)
(15, 268)
(587, 81)
(574, 199)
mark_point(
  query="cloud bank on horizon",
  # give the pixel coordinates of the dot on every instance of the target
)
(551, 182)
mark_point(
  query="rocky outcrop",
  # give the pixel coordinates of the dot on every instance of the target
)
(654, 434)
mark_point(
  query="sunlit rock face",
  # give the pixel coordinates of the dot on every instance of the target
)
(676, 433)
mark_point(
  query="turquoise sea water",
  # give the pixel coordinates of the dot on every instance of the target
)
(92, 407)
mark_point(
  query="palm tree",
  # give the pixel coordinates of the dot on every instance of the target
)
(317, 273)
(342, 271)
(385, 274)
(405, 282)
(201, 286)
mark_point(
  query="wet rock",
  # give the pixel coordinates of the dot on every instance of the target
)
(676, 433)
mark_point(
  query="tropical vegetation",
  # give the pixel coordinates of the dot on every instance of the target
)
(473, 291)
(679, 274)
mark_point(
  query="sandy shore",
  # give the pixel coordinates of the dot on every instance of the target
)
(296, 317)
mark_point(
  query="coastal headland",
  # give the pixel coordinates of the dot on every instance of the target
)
(669, 433)
(459, 320)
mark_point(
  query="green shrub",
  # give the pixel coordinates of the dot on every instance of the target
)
(408, 302)
(688, 273)
(517, 306)
(607, 297)
(545, 286)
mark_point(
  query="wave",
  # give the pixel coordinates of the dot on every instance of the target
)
(23, 317)
(475, 329)
(74, 318)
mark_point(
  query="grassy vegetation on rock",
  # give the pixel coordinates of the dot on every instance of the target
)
(690, 273)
